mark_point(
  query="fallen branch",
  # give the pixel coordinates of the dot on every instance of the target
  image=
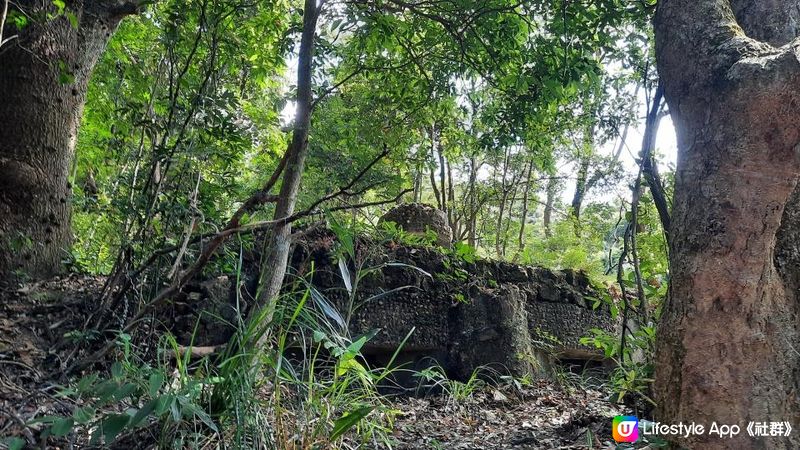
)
(195, 352)
(22, 424)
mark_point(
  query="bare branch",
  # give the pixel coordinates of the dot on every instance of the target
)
(3, 17)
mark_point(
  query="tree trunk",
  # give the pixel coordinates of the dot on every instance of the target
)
(728, 337)
(417, 195)
(524, 217)
(442, 175)
(504, 191)
(453, 218)
(552, 190)
(509, 216)
(649, 167)
(473, 210)
(580, 187)
(44, 74)
(582, 182)
(276, 246)
(431, 173)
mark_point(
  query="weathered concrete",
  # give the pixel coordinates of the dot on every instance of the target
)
(463, 314)
(419, 218)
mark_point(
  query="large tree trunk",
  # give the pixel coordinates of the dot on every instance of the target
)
(43, 80)
(728, 338)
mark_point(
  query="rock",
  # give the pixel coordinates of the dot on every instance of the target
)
(418, 218)
(205, 314)
(514, 319)
(498, 396)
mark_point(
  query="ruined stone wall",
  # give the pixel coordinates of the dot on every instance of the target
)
(463, 314)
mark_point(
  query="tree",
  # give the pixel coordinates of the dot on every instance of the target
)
(728, 338)
(278, 242)
(44, 74)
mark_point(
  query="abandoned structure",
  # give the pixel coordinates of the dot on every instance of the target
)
(461, 312)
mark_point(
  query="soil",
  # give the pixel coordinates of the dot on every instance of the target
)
(544, 415)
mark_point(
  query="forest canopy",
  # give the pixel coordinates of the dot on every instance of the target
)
(187, 111)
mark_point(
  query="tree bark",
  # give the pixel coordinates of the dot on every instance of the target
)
(509, 216)
(583, 183)
(453, 217)
(728, 337)
(44, 74)
(524, 217)
(552, 190)
(504, 191)
(277, 245)
(417, 194)
(648, 163)
(442, 173)
(431, 172)
(580, 187)
(472, 202)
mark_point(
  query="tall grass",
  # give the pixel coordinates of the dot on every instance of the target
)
(310, 388)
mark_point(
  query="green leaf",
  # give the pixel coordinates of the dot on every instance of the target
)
(83, 415)
(113, 425)
(106, 390)
(87, 383)
(20, 22)
(348, 420)
(164, 403)
(145, 411)
(15, 443)
(202, 415)
(355, 346)
(116, 370)
(62, 427)
(73, 19)
(175, 410)
(124, 391)
(154, 383)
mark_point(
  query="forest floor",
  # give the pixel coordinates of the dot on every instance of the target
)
(543, 414)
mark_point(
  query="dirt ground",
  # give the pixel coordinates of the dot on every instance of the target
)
(545, 415)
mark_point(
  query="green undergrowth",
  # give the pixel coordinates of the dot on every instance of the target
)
(310, 386)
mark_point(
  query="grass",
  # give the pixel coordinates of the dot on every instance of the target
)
(309, 389)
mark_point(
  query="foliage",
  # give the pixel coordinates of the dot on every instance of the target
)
(489, 110)
(311, 388)
(136, 395)
(434, 378)
(184, 114)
